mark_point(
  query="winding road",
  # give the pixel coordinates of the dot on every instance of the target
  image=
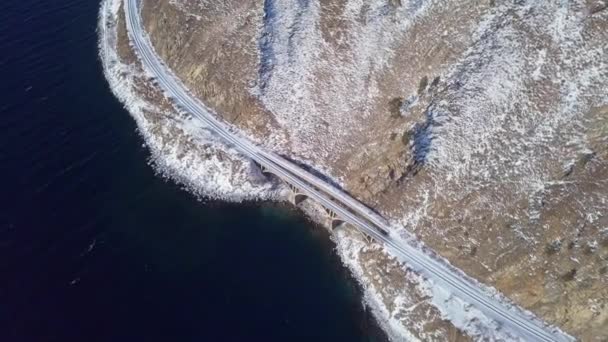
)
(510, 318)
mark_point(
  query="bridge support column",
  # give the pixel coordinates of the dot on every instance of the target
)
(295, 196)
(333, 220)
(368, 238)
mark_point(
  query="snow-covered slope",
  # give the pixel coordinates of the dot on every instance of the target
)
(482, 130)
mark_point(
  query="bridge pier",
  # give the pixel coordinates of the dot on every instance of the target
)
(333, 220)
(368, 238)
(264, 169)
(295, 196)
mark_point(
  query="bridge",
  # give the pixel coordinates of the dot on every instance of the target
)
(332, 219)
(340, 207)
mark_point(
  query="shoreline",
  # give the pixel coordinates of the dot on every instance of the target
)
(122, 83)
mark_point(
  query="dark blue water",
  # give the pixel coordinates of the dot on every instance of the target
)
(95, 247)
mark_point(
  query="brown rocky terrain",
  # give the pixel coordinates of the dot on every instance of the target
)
(482, 129)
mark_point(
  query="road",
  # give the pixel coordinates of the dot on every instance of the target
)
(347, 208)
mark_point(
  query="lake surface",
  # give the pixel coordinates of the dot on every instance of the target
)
(94, 246)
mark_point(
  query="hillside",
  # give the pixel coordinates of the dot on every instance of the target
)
(482, 130)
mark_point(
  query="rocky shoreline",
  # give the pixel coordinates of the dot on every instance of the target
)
(525, 216)
(128, 83)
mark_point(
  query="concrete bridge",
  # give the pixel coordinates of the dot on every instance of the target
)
(296, 196)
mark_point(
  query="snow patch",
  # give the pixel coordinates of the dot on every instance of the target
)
(315, 89)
